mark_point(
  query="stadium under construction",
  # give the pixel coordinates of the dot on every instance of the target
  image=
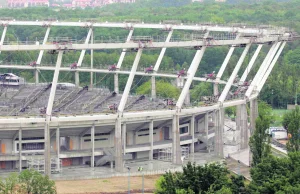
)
(49, 126)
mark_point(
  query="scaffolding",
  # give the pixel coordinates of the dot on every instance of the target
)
(165, 154)
(39, 165)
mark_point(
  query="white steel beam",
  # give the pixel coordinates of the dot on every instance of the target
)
(162, 52)
(43, 68)
(264, 79)
(44, 42)
(120, 61)
(238, 29)
(190, 75)
(152, 45)
(226, 60)
(269, 61)
(92, 61)
(262, 69)
(129, 81)
(3, 36)
(233, 75)
(251, 63)
(49, 113)
(119, 64)
(88, 37)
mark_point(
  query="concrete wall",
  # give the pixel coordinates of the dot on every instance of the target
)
(8, 145)
(101, 141)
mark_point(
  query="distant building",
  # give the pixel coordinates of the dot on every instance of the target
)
(27, 3)
(220, 1)
(197, 0)
(72, 4)
(81, 3)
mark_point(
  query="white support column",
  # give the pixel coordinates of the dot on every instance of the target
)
(251, 63)
(58, 147)
(190, 75)
(193, 133)
(119, 64)
(77, 82)
(223, 67)
(262, 69)
(3, 36)
(124, 138)
(151, 140)
(49, 113)
(176, 148)
(162, 52)
(118, 146)
(233, 74)
(116, 83)
(153, 87)
(20, 149)
(39, 60)
(129, 81)
(93, 146)
(92, 61)
(206, 130)
(88, 37)
(36, 76)
(266, 75)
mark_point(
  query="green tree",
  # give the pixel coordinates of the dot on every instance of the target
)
(33, 182)
(291, 122)
(259, 141)
(211, 178)
(276, 175)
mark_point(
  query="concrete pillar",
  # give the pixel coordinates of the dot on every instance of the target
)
(193, 133)
(36, 76)
(93, 146)
(153, 87)
(20, 150)
(124, 138)
(176, 141)
(206, 131)
(238, 118)
(253, 114)
(244, 127)
(216, 89)
(151, 140)
(77, 78)
(58, 147)
(116, 83)
(219, 129)
(118, 147)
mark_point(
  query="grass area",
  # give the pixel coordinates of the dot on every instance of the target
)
(278, 116)
(109, 185)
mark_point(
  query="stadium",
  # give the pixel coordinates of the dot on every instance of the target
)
(48, 126)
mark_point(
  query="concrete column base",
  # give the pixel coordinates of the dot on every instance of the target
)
(176, 152)
(219, 129)
(118, 147)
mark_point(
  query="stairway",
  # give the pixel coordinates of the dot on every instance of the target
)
(109, 156)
